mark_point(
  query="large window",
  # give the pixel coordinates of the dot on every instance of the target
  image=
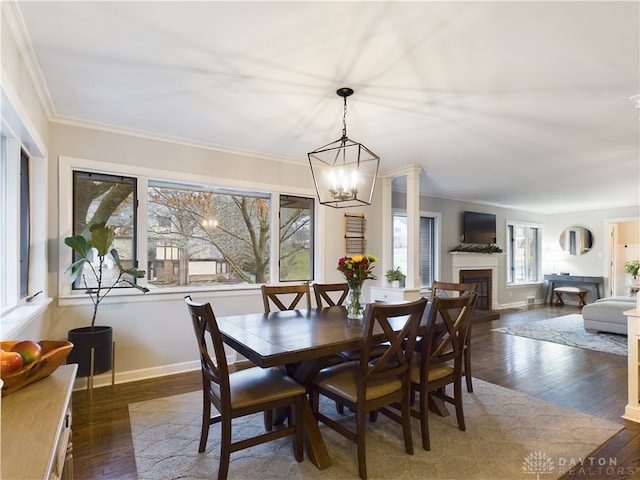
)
(427, 246)
(198, 235)
(16, 211)
(523, 253)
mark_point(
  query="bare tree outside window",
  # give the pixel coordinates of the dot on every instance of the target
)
(220, 237)
(296, 238)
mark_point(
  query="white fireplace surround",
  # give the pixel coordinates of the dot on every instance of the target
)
(477, 261)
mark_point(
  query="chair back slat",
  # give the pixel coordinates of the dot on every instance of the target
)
(450, 290)
(396, 358)
(215, 370)
(323, 293)
(291, 294)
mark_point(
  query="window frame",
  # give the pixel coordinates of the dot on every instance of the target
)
(144, 175)
(16, 309)
(436, 247)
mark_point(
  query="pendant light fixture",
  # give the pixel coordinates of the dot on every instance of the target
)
(344, 171)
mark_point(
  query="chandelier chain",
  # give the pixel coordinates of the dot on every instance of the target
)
(344, 119)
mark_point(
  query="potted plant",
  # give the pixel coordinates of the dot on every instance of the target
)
(632, 267)
(98, 286)
(394, 277)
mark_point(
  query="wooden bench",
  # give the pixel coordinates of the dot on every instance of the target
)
(580, 292)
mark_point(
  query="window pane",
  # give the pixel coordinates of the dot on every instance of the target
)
(532, 254)
(204, 236)
(111, 199)
(25, 220)
(400, 242)
(296, 238)
(4, 222)
(427, 251)
(523, 253)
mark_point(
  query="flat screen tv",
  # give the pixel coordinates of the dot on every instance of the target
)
(479, 227)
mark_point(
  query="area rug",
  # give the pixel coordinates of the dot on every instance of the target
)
(569, 330)
(509, 435)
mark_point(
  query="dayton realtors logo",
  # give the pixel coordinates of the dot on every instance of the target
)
(540, 463)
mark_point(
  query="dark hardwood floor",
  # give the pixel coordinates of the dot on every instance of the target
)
(590, 382)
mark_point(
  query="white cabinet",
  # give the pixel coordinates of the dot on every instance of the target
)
(632, 410)
(36, 429)
(393, 294)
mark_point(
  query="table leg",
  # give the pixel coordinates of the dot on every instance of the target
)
(437, 406)
(313, 441)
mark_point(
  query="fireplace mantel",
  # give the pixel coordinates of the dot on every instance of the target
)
(478, 261)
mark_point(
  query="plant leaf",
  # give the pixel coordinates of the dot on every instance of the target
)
(76, 268)
(78, 244)
(102, 237)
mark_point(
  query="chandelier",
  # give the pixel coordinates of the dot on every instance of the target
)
(344, 171)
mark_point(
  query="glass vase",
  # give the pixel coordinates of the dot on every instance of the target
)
(355, 302)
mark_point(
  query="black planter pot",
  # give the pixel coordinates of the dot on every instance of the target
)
(83, 339)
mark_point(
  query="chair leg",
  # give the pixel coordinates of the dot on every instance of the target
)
(298, 438)
(268, 420)
(424, 419)
(406, 426)
(206, 424)
(467, 360)
(457, 393)
(225, 449)
(361, 445)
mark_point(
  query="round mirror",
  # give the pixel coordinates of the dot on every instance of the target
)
(576, 240)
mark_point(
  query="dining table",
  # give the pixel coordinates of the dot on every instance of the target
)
(301, 341)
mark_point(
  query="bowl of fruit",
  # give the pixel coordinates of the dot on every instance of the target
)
(24, 361)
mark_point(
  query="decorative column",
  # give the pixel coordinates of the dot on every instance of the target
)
(413, 228)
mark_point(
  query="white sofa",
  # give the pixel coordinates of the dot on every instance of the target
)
(607, 314)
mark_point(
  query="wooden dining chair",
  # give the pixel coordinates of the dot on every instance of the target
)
(330, 294)
(438, 360)
(241, 393)
(449, 290)
(370, 384)
(291, 294)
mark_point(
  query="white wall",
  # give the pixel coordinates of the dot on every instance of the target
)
(595, 262)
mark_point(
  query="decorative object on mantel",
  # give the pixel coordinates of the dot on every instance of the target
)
(477, 249)
(344, 171)
(96, 338)
(394, 277)
(632, 267)
(356, 270)
(53, 355)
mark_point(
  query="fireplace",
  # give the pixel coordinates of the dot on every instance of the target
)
(481, 268)
(484, 284)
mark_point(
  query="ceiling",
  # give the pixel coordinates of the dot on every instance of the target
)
(517, 104)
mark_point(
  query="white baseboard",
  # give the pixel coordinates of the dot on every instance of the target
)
(104, 379)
